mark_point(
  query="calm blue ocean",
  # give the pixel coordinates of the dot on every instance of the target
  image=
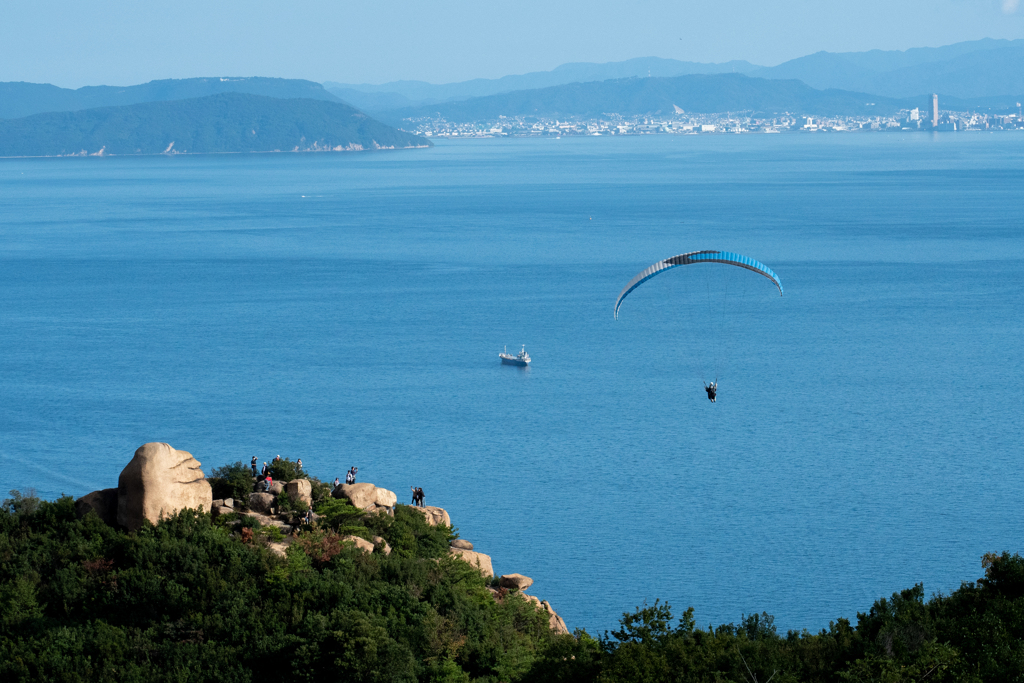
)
(348, 309)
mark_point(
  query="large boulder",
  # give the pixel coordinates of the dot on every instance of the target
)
(103, 503)
(360, 495)
(386, 499)
(462, 543)
(158, 482)
(361, 543)
(435, 516)
(300, 489)
(515, 581)
(276, 488)
(261, 502)
(478, 560)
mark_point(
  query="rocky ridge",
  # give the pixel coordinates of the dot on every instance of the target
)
(160, 481)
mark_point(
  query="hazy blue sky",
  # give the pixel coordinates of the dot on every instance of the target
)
(73, 43)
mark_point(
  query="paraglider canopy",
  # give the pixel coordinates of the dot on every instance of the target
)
(692, 257)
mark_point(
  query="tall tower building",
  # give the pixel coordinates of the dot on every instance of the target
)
(935, 110)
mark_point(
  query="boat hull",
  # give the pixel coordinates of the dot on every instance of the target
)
(514, 361)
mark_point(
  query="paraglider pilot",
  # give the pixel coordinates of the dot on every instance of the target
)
(712, 389)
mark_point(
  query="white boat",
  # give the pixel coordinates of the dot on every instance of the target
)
(522, 359)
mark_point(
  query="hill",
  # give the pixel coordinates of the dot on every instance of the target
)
(983, 68)
(633, 96)
(229, 122)
(24, 99)
(416, 93)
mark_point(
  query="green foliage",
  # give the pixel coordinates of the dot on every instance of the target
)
(21, 504)
(339, 515)
(232, 481)
(285, 470)
(408, 533)
(187, 600)
(285, 503)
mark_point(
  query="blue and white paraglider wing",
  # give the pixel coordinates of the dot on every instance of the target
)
(692, 257)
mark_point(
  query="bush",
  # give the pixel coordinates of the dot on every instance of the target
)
(232, 481)
(285, 470)
(285, 503)
(21, 504)
(339, 515)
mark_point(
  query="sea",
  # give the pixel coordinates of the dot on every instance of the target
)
(348, 309)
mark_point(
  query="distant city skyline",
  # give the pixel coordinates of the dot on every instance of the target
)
(123, 42)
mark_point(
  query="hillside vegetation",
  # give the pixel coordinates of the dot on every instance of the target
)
(19, 99)
(193, 599)
(229, 122)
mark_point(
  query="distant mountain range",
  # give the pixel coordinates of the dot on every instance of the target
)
(981, 68)
(399, 94)
(987, 71)
(699, 93)
(24, 99)
(225, 122)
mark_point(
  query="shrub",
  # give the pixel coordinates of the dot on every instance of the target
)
(232, 481)
(285, 470)
(285, 503)
(21, 504)
(339, 515)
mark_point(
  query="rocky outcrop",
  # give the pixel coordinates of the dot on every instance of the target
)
(361, 543)
(158, 482)
(435, 516)
(300, 490)
(515, 581)
(462, 544)
(261, 502)
(360, 495)
(367, 497)
(386, 499)
(103, 503)
(224, 502)
(275, 488)
(555, 622)
(478, 560)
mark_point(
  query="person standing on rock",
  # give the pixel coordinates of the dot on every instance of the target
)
(337, 482)
(268, 482)
(350, 478)
(298, 464)
(277, 458)
(417, 496)
(253, 463)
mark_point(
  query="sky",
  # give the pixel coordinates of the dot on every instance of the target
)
(72, 43)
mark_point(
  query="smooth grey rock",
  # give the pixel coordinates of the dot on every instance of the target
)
(515, 581)
(261, 502)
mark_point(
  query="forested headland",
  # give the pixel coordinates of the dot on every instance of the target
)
(202, 598)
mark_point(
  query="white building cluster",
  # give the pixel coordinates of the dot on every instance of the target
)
(682, 123)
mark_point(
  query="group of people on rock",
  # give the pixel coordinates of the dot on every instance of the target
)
(417, 495)
(264, 479)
